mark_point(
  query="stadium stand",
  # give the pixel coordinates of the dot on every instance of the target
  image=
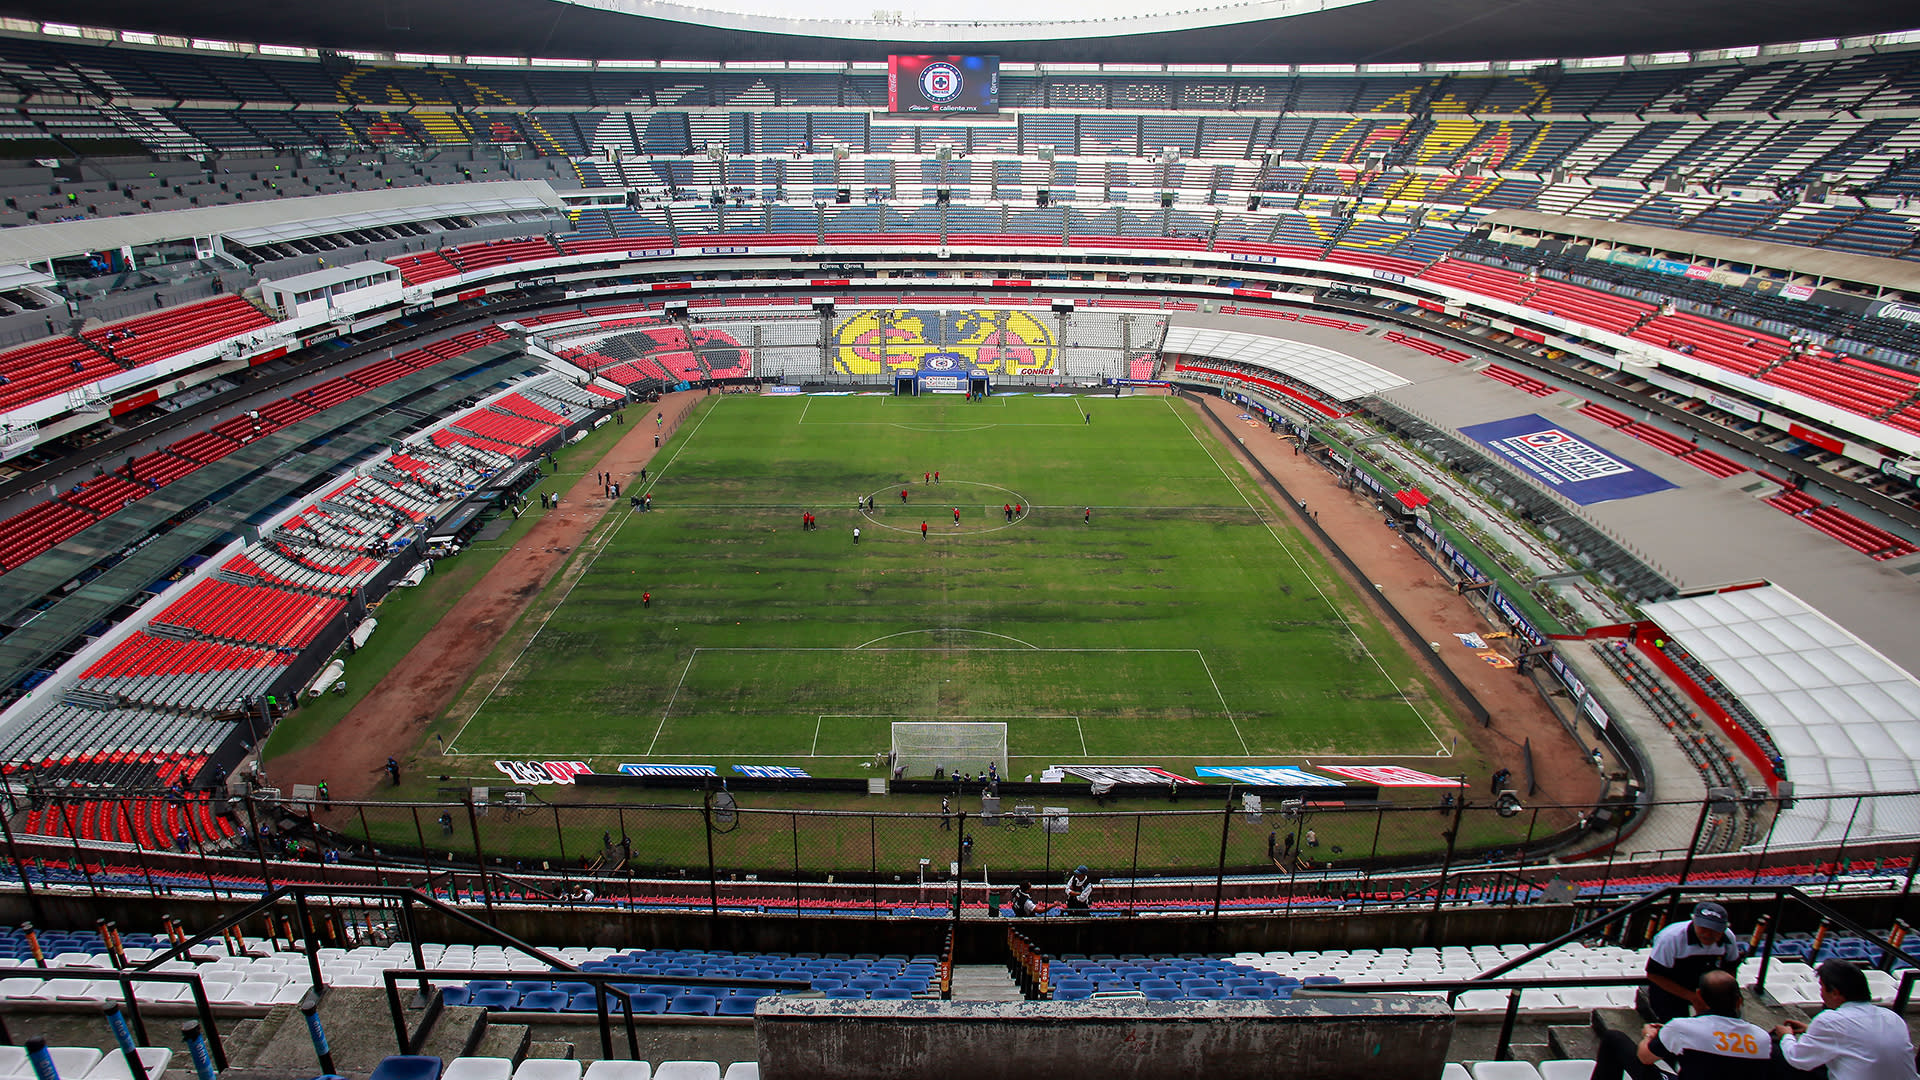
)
(1368, 175)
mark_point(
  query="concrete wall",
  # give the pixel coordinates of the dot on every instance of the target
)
(1404, 1038)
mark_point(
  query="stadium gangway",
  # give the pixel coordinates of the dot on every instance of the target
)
(1762, 941)
(602, 989)
(403, 900)
(127, 977)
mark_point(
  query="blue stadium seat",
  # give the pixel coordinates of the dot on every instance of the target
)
(737, 1006)
(407, 1067)
(543, 1001)
(649, 1004)
(691, 1005)
(847, 994)
(890, 994)
(453, 995)
(1072, 994)
(502, 998)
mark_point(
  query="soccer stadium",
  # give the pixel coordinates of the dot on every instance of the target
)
(571, 540)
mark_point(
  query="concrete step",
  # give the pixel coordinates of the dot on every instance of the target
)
(454, 1032)
(508, 1041)
(248, 1038)
(559, 1050)
(359, 1033)
(1533, 1053)
(984, 982)
(1573, 1041)
(242, 1039)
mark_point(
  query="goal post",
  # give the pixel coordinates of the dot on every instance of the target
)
(919, 747)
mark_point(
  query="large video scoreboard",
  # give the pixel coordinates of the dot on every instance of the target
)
(943, 84)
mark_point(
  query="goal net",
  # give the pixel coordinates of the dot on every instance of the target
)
(919, 747)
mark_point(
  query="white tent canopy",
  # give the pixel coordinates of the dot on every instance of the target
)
(1845, 718)
(1341, 377)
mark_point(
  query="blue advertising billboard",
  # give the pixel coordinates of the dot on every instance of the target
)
(1563, 461)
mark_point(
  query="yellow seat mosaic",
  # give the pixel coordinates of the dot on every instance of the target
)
(889, 341)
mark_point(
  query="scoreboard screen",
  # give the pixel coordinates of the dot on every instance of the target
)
(943, 84)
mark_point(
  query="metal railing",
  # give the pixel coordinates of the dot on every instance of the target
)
(130, 1002)
(1621, 923)
(1211, 860)
(605, 984)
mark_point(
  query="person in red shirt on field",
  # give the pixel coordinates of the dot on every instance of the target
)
(903, 494)
(923, 530)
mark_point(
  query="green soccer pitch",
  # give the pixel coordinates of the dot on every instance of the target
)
(1186, 624)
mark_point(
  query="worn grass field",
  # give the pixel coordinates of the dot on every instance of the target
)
(1184, 624)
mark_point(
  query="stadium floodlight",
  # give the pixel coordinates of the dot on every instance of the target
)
(920, 747)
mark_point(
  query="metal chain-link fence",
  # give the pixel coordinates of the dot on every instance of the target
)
(708, 852)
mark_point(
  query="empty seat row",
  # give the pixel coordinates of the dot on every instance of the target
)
(496, 1068)
(83, 1063)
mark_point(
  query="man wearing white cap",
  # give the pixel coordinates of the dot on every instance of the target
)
(1683, 952)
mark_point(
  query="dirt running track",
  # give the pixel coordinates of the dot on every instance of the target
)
(1428, 601)
(388, 721)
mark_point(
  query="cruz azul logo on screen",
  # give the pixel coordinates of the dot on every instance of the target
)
(1557, 454)
(941, 83)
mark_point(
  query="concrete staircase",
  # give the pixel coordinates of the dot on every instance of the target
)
(360, 1033)
(984, 982)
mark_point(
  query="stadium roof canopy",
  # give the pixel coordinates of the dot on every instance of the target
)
(1844, 717)
(1248, 33)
